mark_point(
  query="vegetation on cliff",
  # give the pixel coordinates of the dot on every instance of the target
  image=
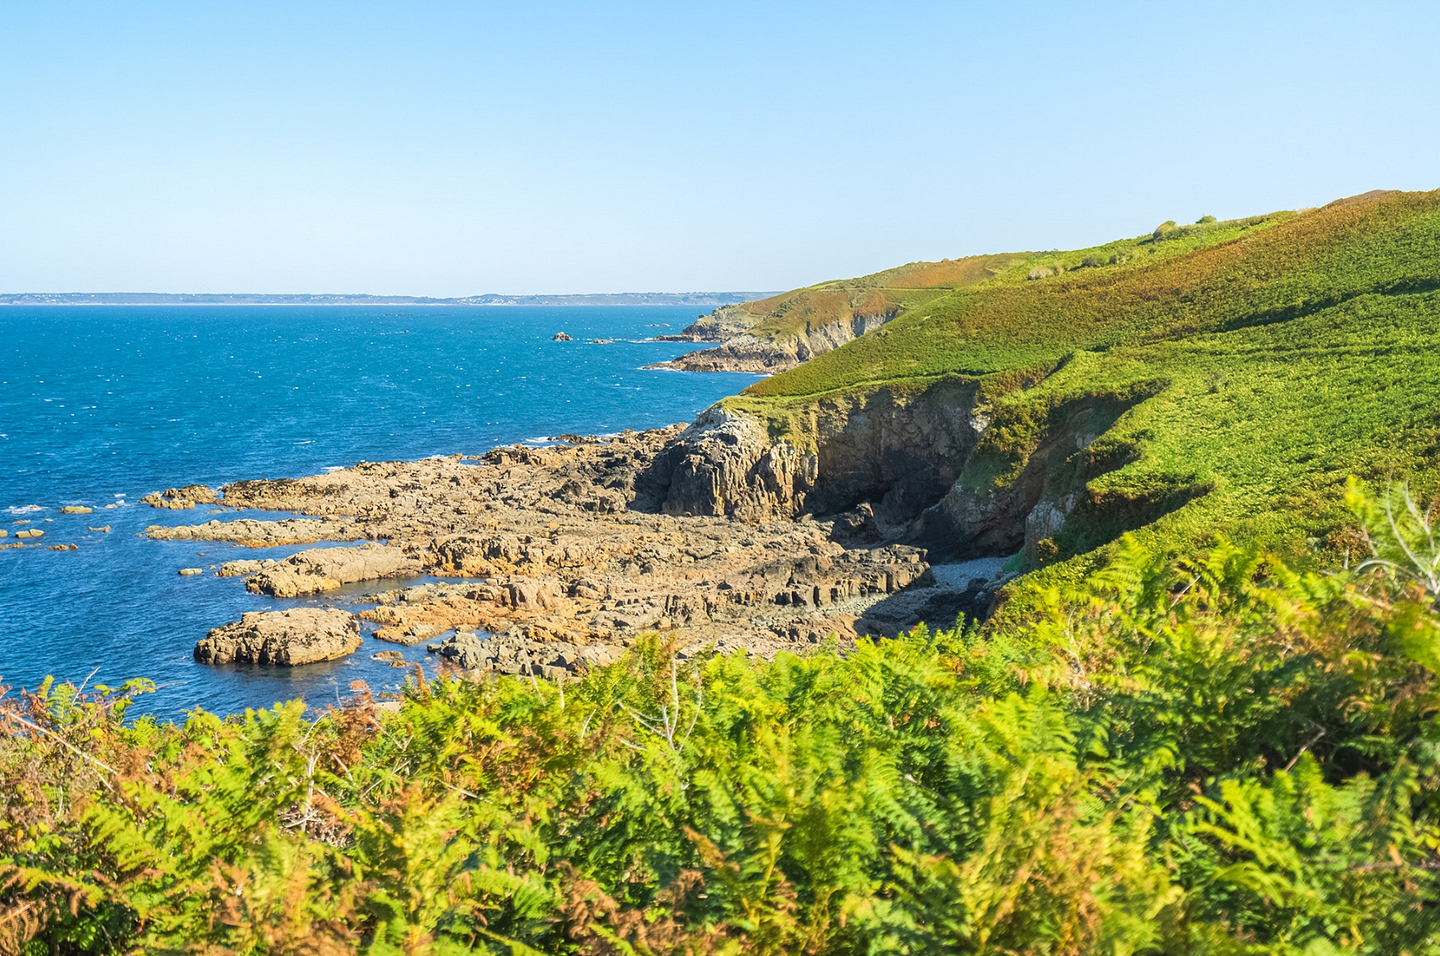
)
(1225, 376)
(1214, 756)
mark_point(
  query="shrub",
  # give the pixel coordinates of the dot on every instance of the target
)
(1218, 755)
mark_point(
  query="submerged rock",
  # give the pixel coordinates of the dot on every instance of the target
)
(282, 638)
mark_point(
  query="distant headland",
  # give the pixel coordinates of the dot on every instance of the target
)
(697, 299)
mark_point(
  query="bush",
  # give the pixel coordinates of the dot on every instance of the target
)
(1212, 756)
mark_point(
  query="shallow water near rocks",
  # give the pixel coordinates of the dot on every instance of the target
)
(102, 405)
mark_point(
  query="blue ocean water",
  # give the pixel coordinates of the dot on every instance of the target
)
(102, 405)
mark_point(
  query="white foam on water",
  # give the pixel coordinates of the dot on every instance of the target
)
(24, 509)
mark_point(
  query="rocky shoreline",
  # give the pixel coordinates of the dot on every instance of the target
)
(566, 554)
(737, 349)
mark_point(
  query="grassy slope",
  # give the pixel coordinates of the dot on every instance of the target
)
(913, 286)
(1278, 355)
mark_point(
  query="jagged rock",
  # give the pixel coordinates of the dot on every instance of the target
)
(181, 498)
(725, 464)
(324, 569)
(284, 638)
(561, 337)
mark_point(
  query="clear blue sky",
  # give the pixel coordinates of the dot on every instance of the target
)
(449, 149)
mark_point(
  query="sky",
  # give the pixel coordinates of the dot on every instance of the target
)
(531, 147)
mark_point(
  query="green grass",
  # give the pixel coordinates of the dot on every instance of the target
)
(916, 285)
(1255, 365)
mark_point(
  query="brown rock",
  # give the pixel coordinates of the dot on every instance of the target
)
(324, 569)
(283, 638)
(75, 510)
(260, 534)
(181, 498)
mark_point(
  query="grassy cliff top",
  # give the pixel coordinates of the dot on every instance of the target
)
(1254, 365)
(915, 285)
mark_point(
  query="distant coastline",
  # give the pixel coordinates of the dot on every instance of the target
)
(697, 299)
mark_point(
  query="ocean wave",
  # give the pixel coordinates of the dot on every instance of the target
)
(24, 509)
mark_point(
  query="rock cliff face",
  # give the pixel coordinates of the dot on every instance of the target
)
(896, 449)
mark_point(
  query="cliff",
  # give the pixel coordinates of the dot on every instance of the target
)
(1219, 378)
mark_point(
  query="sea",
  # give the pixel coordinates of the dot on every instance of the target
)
(101, 405)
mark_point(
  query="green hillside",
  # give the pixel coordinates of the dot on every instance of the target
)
(1250, 366)
(917, 285)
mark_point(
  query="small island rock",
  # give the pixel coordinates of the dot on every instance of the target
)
(561, 337)
(190, 572)
(181, 498)
(301, 635)
(75, 510)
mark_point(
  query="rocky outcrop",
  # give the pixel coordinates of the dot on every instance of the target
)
(251, 533)
(282, 638)
(897, 449)
(181, 498)
(504, 654)
(325, 569)
(766, 355)
(725, 464)
(75, 510)
(243, 568)
(723, 323)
